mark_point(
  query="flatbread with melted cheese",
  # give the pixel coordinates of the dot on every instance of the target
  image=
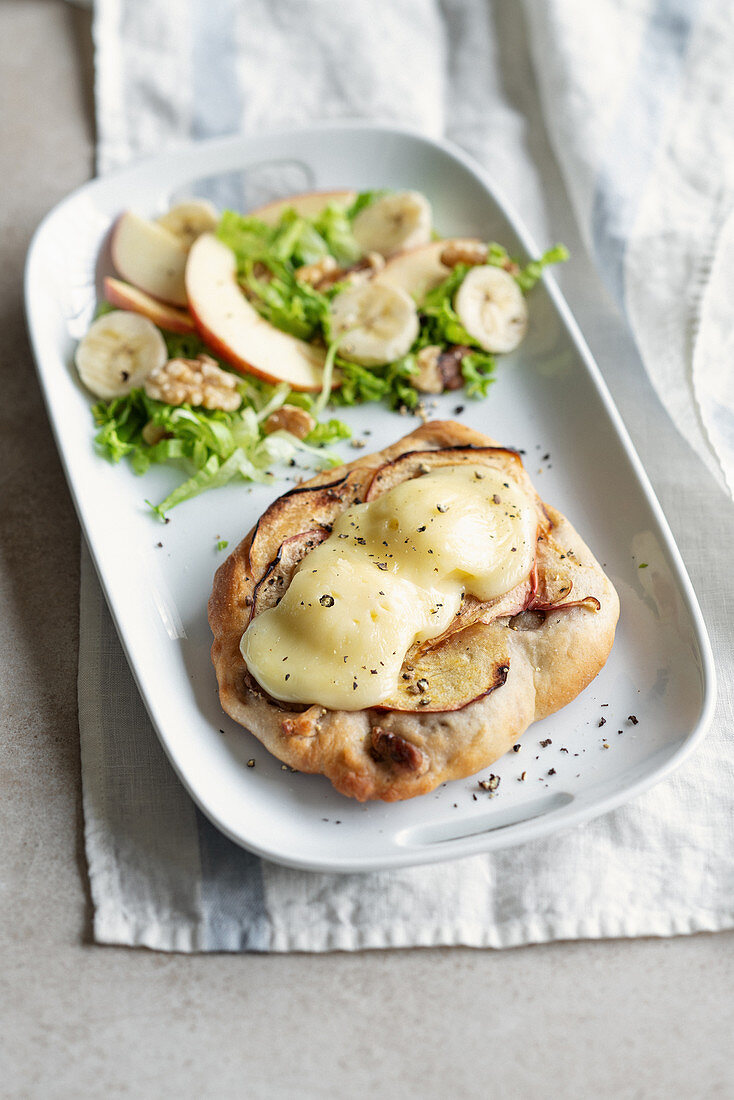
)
(503, 664)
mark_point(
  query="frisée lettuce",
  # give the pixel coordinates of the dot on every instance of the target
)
(290, 273)
(211, 446)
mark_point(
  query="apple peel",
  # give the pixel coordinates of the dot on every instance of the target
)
(129, 297)
(299, 510)
(309, 204)
(150, 257)
(233, 328)
(279, 573)
(467, 665)
(420, 270)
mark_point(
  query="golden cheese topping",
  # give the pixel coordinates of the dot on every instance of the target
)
(392, 572)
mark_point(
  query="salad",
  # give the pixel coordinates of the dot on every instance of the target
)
(227, 336)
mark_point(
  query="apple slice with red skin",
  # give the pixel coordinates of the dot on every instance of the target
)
(299, 510)
(473, 610)
(279, 574)
(554, 580)
(149, 257)
(591, 603)
(466, 666)
(234, 330)
(466, 662)
(127, 296)
(308, 204)
(418, 270)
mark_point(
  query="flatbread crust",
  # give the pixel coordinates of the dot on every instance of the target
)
(551, 654)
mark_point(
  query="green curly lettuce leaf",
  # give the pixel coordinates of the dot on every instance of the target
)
(334, 225)
(441, 323)
(526, 277)
(389, 383)
(330, 431)
(283, 300)
(211, 446)
(477, 370)
(365, 199)
(267, 258)
(184, 345)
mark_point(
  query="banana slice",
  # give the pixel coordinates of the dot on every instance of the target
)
(118, 352)
(378, 323)
(394, 222)
(492, 308)
(188, 220)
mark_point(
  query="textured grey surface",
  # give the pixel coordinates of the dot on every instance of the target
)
(607, 1019)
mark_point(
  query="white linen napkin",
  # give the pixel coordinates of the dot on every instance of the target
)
(635, 116)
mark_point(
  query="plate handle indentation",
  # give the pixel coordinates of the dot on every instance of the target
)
(442, 832)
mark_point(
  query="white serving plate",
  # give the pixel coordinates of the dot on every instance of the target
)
(549, 399)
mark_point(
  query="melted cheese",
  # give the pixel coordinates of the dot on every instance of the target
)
(391, 573)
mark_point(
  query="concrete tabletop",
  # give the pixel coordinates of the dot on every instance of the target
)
(641, 1018)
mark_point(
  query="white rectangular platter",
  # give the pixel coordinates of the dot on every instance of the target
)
(656, 693)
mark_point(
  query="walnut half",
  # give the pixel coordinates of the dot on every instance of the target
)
(464, 252)
(360, 272)
(391, 749)
(428, 379)
(473, 253)
(200, 382)
(315, 273)
(439, 370)
(290, 418)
